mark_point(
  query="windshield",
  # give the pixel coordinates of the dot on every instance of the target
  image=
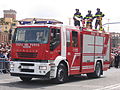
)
(31, 35)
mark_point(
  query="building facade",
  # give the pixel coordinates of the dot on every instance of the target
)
(8, 21)
(4, 37)
(10, 14)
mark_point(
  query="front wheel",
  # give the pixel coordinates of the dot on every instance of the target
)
(61, 74)
(97, 72)
(25, 79)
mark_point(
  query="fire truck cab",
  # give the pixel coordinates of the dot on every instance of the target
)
(57, 52)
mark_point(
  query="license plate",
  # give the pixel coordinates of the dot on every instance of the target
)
(25, 67)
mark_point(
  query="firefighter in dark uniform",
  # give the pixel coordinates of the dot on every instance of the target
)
(77, 16)
(98, 17)
(89, 19)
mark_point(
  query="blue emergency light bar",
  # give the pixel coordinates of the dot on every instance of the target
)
(38, 22)
(25, 22)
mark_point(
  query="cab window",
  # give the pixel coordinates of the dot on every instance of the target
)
(68, 38)
(55, 38)
(74, 39)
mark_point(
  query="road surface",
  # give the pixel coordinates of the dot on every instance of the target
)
(109, 81)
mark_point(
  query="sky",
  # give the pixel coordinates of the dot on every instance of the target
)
(64, 9)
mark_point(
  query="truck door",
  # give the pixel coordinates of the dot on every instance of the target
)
(73, 51)
(55, 40)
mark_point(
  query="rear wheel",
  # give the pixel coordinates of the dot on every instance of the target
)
(97, 72)
(61, 74)
(25, 79)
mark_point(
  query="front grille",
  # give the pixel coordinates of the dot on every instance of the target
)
(27, 54)
(26, 67)
(27, 64)
(27, 70)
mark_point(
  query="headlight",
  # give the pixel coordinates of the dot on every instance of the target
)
(11, 65)
(43, 67)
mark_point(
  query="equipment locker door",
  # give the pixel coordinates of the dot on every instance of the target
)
(88, 53)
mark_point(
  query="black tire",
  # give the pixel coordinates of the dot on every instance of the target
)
(25, 79)
(4, 71)
(97, 72)
(62, 75)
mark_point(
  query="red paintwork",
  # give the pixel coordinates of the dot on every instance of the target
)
(72, 53)
(78, 59)
(42, 50)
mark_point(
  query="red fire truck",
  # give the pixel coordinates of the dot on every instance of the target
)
(56, 52)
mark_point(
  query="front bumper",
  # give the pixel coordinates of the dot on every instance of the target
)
(33, 69)
(44, 77)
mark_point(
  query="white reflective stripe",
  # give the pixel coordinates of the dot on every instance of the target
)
(75, 68)
(106, 65)
(88, 67)
(73, 60)
(76, 54)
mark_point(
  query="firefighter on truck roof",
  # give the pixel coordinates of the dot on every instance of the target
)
(89, 19)
(77, 18)
(98, 17)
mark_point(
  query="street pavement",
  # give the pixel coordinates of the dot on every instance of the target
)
(109, 81)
